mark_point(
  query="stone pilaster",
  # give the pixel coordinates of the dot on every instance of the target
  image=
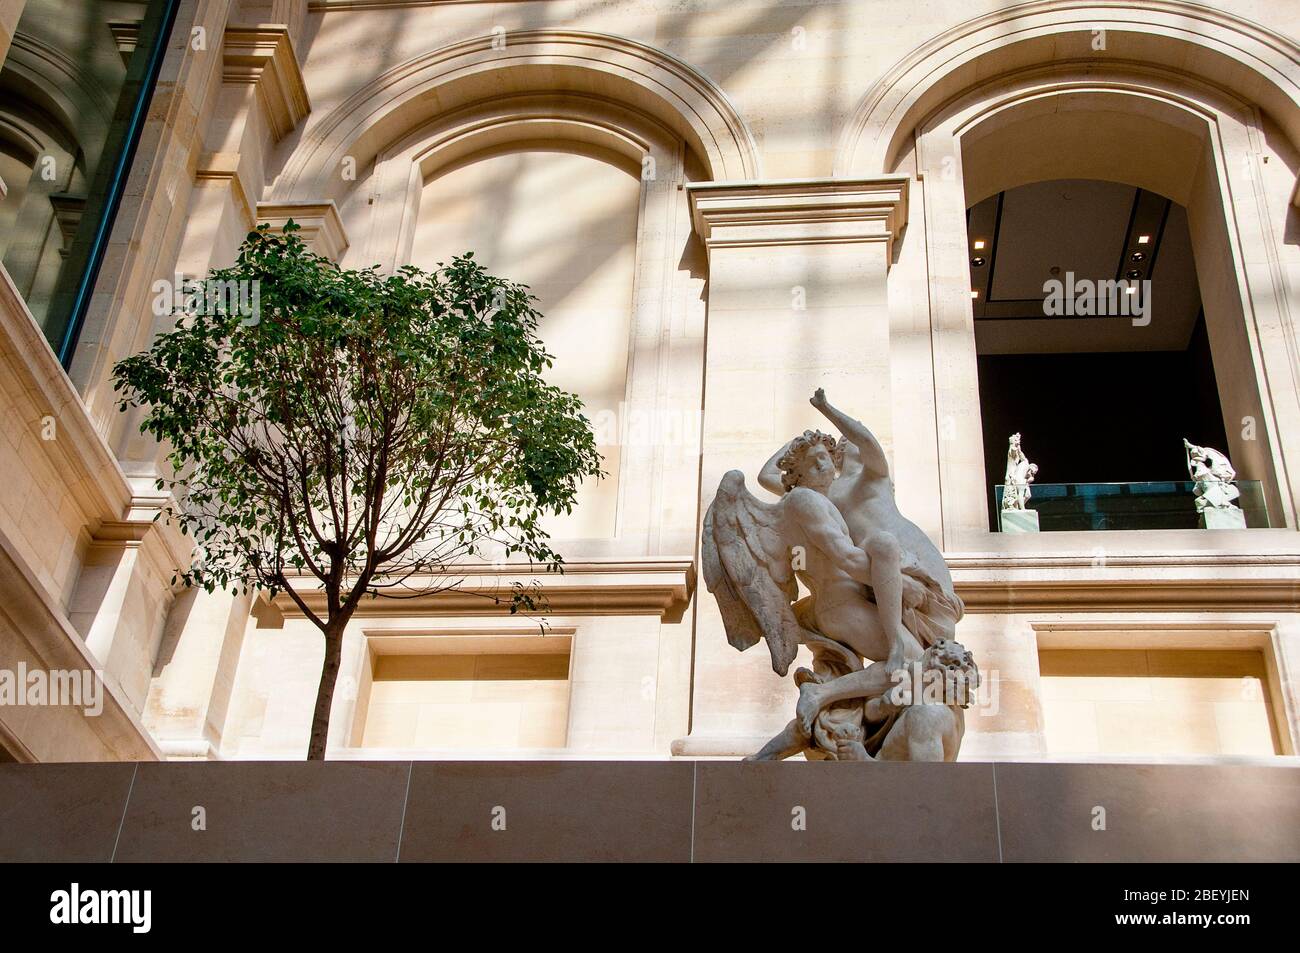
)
(261, 100)
(796, 301)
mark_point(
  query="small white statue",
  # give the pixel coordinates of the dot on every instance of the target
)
(1020, 473)
(1213, 476)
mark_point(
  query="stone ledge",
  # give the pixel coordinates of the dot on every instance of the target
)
(659, 587)
(94, 477)
(40, 630)
(1204, 581)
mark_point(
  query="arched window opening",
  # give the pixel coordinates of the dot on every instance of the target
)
(1092, 344)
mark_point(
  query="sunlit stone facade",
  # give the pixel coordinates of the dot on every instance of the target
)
(721, 207)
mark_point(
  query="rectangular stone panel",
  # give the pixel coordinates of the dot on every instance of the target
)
(61, 812)
(1148, 813)
(265, 811)
(847, 812)
(549, 811)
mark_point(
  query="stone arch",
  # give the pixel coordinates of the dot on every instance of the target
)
(624, 136)
(535, 61)
(1187, 39)
(72, 101)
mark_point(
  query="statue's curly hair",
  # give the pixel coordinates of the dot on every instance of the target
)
(956, 662)
(792, 459)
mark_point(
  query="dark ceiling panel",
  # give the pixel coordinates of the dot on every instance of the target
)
(1100, 231)
(1071, 224)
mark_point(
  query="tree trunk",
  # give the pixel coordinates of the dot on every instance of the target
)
(320, 721)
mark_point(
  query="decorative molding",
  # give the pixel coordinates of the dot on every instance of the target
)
(322, 228)
(263, 56)
(221, 169)
(1191, 582)
(799, 211)
(659, 587)
(520, 638)
(160, 541)
(126, 34)
(471, 70)
(1173, 33)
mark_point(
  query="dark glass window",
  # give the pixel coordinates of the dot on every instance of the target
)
(74, 88)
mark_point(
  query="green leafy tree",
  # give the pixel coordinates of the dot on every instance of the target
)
(357, 434)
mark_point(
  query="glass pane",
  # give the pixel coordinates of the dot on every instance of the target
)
(71, 89)
(1101, 506)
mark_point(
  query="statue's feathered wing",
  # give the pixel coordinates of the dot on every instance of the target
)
(747, 567)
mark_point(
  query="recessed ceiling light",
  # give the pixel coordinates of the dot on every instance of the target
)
(1130, 290)
(1144, 239)
(977, 261)
(974, 294)
(979, 243)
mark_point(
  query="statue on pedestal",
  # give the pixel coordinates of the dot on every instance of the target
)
(1020, 473)
(1213, 476)
(879, 591)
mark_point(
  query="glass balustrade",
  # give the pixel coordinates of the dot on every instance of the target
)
(1065, 507)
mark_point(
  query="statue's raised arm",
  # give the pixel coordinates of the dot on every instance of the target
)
(871, 453)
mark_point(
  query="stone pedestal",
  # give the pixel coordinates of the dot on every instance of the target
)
(1222, 518)
(1018, 521)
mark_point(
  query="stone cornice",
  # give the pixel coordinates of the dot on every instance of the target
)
(1242, 582)
(42, 626)
(799, 211)
(126, 34)
(322, 229)
(655, 586)
(263, 56)
(223, 168)
(91, 471)
(114, 511)
(161, 542)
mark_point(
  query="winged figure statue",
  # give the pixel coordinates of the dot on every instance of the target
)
(878, 591)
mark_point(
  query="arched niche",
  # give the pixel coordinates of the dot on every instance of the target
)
(631, 273)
